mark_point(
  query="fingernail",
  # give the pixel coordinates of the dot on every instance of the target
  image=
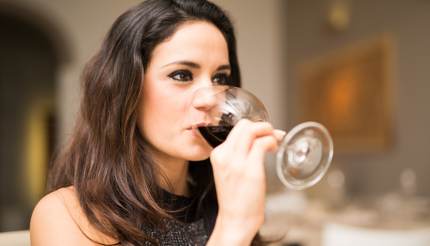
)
(279, 134)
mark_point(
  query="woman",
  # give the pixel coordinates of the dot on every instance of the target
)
(136, 170)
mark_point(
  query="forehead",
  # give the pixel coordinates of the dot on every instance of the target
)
(197, 41)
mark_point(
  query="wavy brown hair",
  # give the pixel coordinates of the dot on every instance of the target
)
(107, 159)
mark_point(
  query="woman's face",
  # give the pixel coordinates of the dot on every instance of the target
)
(196, 55)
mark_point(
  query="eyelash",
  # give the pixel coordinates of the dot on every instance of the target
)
(181, 75)
(226, 78)
(186, 75)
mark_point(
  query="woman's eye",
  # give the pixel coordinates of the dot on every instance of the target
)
(221, 79)
(181, 75)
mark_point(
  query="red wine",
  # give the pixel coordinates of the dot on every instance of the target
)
(215, 135)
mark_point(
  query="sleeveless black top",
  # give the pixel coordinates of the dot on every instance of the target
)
(188, 227)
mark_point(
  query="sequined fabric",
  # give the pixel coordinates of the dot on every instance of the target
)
(185, 229)
(178, 233)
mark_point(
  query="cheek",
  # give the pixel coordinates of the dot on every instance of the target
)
(161, 113)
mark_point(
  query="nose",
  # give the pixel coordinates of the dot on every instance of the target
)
(204, 98)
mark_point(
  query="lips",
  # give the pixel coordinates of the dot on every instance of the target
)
(197, 125)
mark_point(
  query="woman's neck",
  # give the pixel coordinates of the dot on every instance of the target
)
(174, 173)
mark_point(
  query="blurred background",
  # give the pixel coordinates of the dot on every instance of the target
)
(359, 67)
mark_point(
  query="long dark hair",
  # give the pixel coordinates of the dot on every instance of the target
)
(107, 159)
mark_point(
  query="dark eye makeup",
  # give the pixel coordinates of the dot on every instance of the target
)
(184, 75)
(221, 78)
(181, 75)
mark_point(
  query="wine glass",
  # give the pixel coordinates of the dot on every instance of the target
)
(305, 152)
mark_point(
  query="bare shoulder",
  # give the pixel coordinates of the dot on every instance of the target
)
(58, 219)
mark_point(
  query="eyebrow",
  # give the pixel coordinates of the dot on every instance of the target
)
(195, 65)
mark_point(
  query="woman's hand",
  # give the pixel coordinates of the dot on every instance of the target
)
(238, 167)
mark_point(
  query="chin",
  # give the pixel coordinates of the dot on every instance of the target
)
(199, 155)
(198, 159)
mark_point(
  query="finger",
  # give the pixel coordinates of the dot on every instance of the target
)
(279, 134)
(260, 147)
(243, 138)
(235, 132)
(257, 130)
